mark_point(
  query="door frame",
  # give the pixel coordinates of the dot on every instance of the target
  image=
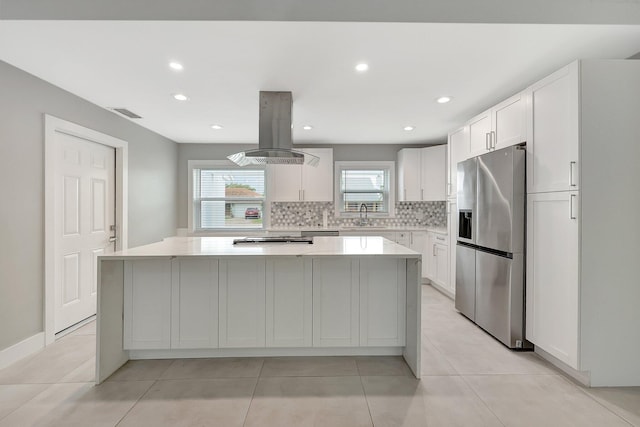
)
(53, 125)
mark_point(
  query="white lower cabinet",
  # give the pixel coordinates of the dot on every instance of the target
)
(437, 257)
(242, 302)
(418, 242)
(289, 302)
(382, 302)
(147, 304)
(194, 303)
(336, 317)
(552, 274)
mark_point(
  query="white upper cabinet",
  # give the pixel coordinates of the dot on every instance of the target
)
(317, 182)
(433, 173)
(509, 122)
(553, 141)
(479, 133)
(409, 163)
(458, 150)
(284, 183)
(501, 126)
(422, 174)
(293, 183)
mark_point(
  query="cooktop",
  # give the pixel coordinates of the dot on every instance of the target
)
(275, 239)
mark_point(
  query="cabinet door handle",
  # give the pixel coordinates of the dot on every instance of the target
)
(422, 194)
(573, 197)
(571, 183)
(303, 194)
(405, 194)
(486, 141)
(493, 139)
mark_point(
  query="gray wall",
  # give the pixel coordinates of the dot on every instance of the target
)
(152, 189)
(188, 152)
(499, 11)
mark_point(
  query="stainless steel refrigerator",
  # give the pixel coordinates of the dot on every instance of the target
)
(490, 259)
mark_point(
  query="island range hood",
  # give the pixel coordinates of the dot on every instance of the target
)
(274, 138)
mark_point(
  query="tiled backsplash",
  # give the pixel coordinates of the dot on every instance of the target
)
(309, 214)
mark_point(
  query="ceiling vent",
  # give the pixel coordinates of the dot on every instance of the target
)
(127, 113)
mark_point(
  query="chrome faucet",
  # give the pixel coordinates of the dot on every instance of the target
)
(365, 220)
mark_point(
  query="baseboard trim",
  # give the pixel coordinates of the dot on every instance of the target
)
(582, 377)
(19, 351)
(442, 290)
(265, 352)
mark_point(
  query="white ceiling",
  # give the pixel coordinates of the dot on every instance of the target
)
(125, 64)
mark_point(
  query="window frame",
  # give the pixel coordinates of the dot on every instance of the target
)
(222, 165)
(389, 165)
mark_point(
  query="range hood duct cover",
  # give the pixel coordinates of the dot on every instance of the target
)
(274, 139)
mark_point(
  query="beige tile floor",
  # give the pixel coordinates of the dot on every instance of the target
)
(469, 379)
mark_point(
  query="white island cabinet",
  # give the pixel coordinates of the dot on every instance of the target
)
(206, 297)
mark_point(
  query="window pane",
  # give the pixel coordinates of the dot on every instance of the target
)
(229, 214)
(373, 201)
(232, 183)
(363, 180)
(240, 195)
(368, 187)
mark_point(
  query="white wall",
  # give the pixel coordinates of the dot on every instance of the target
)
(498, 11)
(24, 99)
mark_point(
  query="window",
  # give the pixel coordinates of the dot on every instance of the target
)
(226, 197)
(368, 183)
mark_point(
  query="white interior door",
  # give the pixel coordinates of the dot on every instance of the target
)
(84, 213)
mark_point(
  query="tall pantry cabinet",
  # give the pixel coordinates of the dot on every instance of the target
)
(583, 245)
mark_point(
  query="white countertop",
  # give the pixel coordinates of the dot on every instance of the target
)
(223, 246)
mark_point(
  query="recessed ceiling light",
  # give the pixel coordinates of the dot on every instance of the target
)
(176, 66)
(443, 99)
(181, 97)
(362, 67)
(409, 128)
(216, 127)
(307, 127)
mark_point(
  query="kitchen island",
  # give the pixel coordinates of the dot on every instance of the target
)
(189, 297)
